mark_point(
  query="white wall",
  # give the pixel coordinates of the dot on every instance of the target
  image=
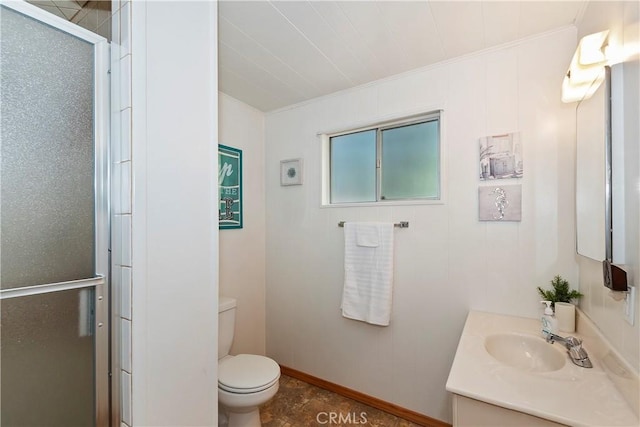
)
(447, 262)
(242, 251)
(174, 229)
(622, 19)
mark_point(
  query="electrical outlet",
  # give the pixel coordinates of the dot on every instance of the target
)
(630, 305)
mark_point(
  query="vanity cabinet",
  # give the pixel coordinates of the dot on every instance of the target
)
(474, 413)
(491, 386)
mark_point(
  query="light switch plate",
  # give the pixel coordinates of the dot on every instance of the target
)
(630, 305)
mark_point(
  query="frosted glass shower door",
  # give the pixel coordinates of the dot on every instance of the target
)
(54, 354)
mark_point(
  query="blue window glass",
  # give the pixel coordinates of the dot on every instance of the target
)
(410, 162)
(392, 162)
(353, 167)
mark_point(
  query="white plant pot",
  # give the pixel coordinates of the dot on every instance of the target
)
(566, 316)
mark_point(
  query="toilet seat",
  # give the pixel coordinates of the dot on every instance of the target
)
(247, 373)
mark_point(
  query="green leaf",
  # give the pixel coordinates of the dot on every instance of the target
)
(560, 292)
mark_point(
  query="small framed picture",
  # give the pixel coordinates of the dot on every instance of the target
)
(291, 172)
(502, 203)
(501, 157)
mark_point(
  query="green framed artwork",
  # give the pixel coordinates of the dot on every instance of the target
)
(229, 187)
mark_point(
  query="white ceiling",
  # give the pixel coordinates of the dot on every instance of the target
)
(277, 53)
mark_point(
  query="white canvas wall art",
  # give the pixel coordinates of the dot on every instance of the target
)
(501, 156)
(500, 203)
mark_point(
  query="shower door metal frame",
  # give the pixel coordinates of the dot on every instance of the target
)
(101, 282)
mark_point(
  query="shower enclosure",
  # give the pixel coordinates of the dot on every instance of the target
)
(54, 221)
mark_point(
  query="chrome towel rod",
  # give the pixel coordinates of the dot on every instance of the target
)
(401, 224)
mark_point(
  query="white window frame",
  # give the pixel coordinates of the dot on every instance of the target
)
(383, 125)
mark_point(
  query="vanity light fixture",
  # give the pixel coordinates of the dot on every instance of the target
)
(586, 71)
(592, 49)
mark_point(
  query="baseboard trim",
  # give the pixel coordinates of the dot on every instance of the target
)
(374, 402)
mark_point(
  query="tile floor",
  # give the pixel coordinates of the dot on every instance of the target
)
(298, 404)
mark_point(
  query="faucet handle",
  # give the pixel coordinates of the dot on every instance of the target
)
(577, 354)
(573, 342)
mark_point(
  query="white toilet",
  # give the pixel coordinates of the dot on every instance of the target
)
(245, 381)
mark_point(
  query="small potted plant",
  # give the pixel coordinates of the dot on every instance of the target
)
(560, 297)
(560, 292)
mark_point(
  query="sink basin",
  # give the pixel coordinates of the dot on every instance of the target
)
(525, 352)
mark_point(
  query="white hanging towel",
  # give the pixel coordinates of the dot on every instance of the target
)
(368, 272)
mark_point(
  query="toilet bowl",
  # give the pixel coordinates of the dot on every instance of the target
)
(245, 381)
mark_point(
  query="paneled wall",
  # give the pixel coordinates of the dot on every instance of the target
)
(447, 262)
(165, 233)
(623, 21)
(242, 251)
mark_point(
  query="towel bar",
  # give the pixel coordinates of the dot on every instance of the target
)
(401, 224)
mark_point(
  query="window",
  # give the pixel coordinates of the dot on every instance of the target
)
(391, 162)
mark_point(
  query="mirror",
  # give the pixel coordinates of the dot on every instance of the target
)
(593, 173)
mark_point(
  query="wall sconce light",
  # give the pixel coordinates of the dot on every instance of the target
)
(586, 71)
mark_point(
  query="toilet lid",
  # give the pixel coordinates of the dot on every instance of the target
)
(247, 373)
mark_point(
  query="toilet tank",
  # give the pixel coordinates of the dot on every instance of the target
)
(226, 324)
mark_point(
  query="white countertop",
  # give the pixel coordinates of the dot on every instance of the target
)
(571, 395)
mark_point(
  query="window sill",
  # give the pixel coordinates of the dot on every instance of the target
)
(384, 203)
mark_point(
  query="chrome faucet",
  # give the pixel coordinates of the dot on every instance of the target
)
(577, 354)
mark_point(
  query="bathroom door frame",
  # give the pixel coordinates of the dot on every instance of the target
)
(101, 282)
